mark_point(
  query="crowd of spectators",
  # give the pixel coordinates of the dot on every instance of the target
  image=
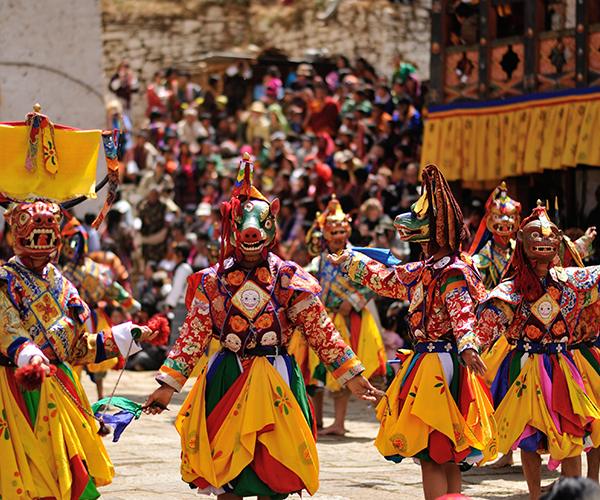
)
(348, 132)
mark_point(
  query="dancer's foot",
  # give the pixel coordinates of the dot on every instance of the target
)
(547, 487)
(504, 461)
(335, 429)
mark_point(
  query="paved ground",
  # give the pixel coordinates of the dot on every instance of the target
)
(147, 458)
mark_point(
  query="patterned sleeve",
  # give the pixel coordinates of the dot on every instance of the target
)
(14, 339)
(584, 246)
(375, 276)
(308, 312)
(494, 318)
(461, 309)
(360, 297)
(190, 346)
(106, 344)
(483, 264)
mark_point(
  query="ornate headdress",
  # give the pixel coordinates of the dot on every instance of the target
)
(333, 223)
(446, 222)
(519, 267)
(248, 219)
(47, 168)
(75, 236)
(501, 219)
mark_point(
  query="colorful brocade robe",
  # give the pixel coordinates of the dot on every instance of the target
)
(337, 287)
(251, 308)
(45, 313)
(491, 261)
(96, 282)
(443, 294)
(567, 312)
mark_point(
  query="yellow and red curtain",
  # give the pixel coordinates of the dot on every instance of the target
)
(491, 140)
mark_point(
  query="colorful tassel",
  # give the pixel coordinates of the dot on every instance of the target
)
(31, 377)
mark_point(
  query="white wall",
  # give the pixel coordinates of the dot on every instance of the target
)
(51, 53)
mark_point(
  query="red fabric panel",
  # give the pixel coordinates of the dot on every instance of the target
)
(441, 449)
(355, 322)
(80, 477)
(201, 483)
(276, 475)
(408, 383)
(194, 281)
(220, 412)
(17, 394)
(561, 402)
(466, 395)
(68, 383)
(314, 420)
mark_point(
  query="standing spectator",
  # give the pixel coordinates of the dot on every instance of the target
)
(116, 236)
(258, 123)
(303, 79)
(156, 177)
(114, 113)
(154, 230)
(157, 95)
(191, 130)
(124, 83)
(187, 91)
(322, 112)
(175, 301)
(94, 244)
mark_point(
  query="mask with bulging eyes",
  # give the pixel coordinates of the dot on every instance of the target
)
(254, 226)
(36, 229)
(414, 225)
(503, 215)
(541, 240)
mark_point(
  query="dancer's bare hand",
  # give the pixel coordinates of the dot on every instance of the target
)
(147, 333)
(362, 388)
(336, 260)
(473, 361)
(591, 232)
(159, 400)
(38, 360)
(345, 308)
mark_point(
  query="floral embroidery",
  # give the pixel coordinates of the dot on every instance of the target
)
(399, 442)
(4, 426)
(415, 318)
(46, 308)
(554, 292)
(282, 402)
(305, 455)
(440, 384)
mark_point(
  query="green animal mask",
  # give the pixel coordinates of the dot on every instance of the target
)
(414, 225)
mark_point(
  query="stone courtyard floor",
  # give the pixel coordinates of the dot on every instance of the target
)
(146, 458)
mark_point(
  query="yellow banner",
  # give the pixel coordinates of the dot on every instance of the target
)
(77, 152)
(495, 142)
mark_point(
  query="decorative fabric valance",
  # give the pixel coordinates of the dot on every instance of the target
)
(493, 140)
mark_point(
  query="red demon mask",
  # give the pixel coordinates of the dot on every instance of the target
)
(36, 229)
